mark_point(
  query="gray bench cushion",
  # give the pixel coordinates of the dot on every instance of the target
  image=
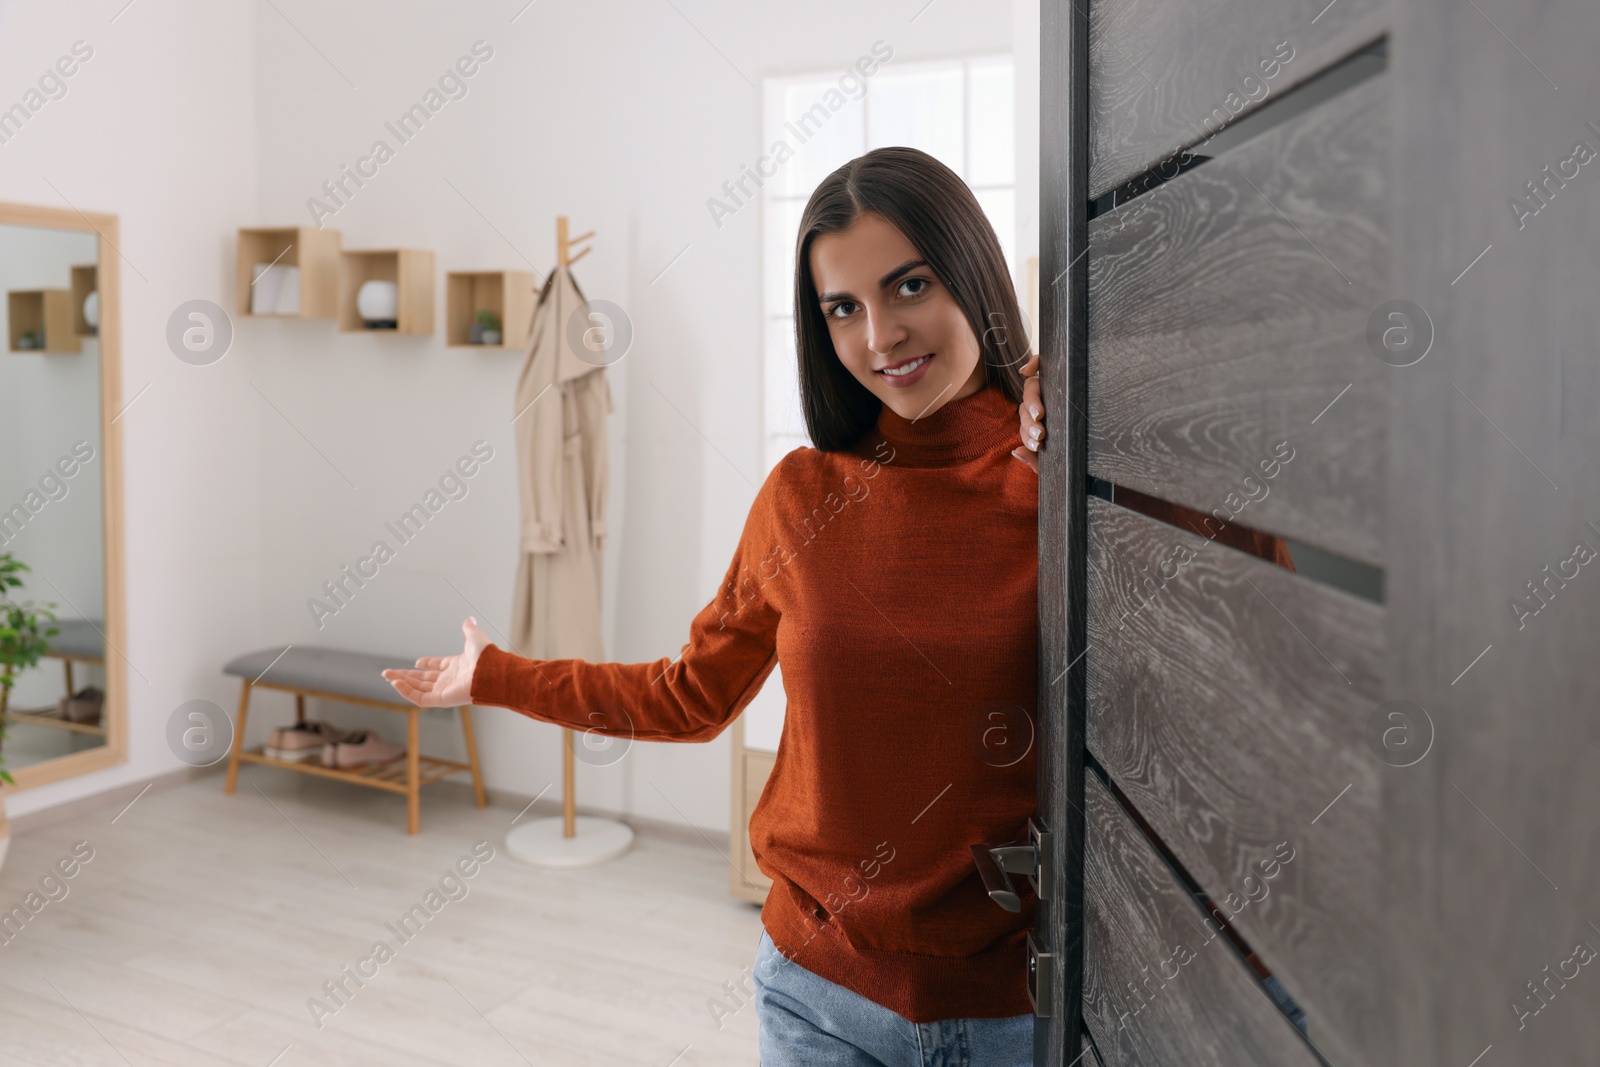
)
(330, 670)
(79, 637)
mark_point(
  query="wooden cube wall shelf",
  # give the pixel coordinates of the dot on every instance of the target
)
(412, 272)
(510, 294)
(48, 313)
(84, 282)
(314, 251)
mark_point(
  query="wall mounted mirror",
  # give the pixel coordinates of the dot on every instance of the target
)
(63, 711)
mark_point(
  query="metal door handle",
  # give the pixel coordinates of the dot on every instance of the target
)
(993, 865)
(996, 864)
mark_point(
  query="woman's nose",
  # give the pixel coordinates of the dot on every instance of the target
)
(884, 332)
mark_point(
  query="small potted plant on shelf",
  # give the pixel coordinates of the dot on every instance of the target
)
(25, 631)
(29, 339)
(485, 328)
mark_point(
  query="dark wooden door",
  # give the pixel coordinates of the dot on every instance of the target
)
(1323, 271)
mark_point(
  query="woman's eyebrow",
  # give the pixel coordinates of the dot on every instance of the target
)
(883, 282)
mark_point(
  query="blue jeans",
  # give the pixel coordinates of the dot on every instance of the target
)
(809, 1021)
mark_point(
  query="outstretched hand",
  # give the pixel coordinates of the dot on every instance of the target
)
(442, 681)
(1030, 415)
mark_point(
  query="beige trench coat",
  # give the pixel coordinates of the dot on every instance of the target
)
(563, 471)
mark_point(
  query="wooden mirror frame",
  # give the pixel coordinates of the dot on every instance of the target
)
(109, 285)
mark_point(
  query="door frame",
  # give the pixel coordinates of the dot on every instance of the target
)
(1059, 1037)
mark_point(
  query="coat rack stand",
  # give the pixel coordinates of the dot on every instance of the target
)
(572, 840)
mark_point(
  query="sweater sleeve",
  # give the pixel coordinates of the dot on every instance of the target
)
(693, 696)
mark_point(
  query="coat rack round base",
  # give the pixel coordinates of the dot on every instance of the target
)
(541, 842)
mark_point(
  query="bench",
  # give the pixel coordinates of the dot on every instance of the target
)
(80, 641)
(354, 678)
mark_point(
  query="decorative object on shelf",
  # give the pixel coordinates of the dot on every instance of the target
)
(41, 320)
(408, 272)
(506, 295)
(298, 265)
(563, 495)
(264, 285)
(85, 300)
(487, 327)
(276, 290)
(288, 302)
(378, 304)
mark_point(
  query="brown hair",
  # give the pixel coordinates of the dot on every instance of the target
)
(932, 206)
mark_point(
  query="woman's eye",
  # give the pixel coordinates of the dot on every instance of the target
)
(845, 308)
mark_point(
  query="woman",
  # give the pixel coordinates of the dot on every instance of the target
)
(892, 569)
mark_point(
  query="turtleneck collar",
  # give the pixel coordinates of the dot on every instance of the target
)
(958, 431)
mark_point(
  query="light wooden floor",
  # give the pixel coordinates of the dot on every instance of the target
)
(204, 922)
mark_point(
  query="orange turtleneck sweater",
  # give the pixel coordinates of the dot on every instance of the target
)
(897, 583)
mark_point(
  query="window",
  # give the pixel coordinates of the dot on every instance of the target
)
(959, 111)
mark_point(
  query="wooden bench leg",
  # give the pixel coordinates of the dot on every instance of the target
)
(238, 737)
(413, 772)
(472, 758)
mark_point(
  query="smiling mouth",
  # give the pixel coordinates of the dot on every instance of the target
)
(905, 366)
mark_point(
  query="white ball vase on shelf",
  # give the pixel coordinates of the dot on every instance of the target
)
(378, 304)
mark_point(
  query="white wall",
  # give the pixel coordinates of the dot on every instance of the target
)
(1025, 56)
(625, 117)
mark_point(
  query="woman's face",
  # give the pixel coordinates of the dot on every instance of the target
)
(885, 308)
